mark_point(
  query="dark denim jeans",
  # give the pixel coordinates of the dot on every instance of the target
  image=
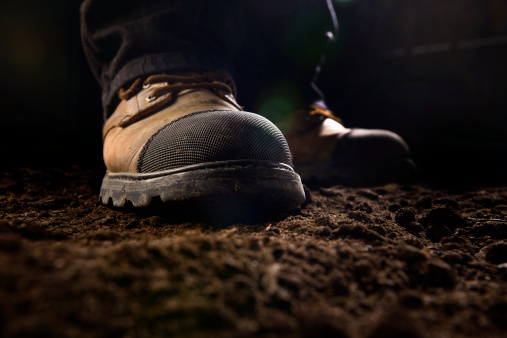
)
(127, 39)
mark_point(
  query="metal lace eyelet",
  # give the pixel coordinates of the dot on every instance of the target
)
(146, 85)
(150, 98)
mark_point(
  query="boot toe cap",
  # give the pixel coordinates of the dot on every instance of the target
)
(374, 156)
(370, 143)
(213, 136)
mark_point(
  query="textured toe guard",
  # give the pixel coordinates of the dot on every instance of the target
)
(214, 136)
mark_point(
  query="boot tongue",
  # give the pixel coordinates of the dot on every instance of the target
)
(317, 109)
(316, 115)
(304, 121)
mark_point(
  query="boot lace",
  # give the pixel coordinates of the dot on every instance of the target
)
(216, 82)
(319, 111)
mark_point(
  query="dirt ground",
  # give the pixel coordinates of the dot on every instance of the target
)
(387, 261)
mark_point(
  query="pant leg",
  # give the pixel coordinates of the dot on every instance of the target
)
(285, 42)
(126, 39)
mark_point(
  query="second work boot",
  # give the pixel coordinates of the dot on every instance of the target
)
(325, 151)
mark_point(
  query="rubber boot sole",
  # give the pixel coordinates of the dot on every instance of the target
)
(232, 189)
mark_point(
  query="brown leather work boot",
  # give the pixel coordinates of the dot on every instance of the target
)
(325, 151)
(182, 140)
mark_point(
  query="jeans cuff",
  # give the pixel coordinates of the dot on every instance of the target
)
(157, 64)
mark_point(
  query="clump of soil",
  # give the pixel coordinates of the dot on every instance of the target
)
(388, 261)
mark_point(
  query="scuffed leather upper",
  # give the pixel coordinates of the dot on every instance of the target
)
(123, 142)
(317, 138)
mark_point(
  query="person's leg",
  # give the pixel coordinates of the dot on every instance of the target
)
(175, 133)
(124, 40)
(284, 43)
(286, 48)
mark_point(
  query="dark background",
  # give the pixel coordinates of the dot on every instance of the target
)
(433, 71)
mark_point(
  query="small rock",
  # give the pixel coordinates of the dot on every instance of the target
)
(496, 253)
